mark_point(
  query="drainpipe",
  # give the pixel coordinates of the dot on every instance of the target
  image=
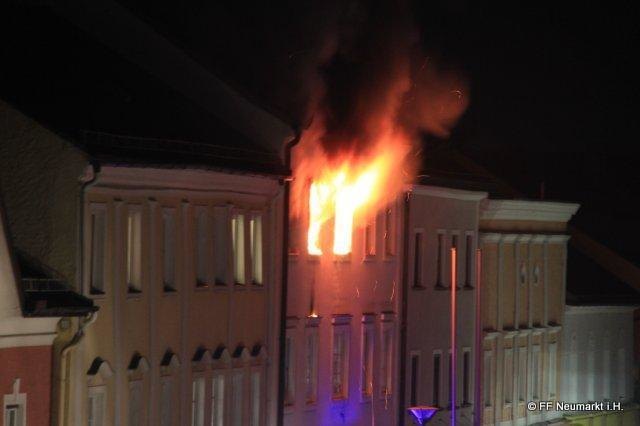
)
(285, 273)
(403, 309)
(63, 395)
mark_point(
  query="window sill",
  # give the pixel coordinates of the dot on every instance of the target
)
(337, 399)
(97, 295)
(169, 292)
(468, 287)
(418, 287)
(201, 287)
(238, 286)
(311, 406)
(134, 295)
(440, 287)
(369, 258)
(220, 287)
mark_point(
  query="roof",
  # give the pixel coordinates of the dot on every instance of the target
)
(590, 284)
(45, 294)
(110, 108)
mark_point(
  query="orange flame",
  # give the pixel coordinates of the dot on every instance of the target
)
(353, 186)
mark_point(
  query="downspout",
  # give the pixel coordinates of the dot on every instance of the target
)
(403, 317)
(64, 397)
(285, 273)
(87, 179)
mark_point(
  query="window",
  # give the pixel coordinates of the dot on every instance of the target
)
(135, 403)
(522, 374)
(97, 234)
(370, 238)
(454, 260)
(439, 265)
(96, 406)
(523, 273)
(197, 402)
(606, 373)
(466, 377)
(166, 402)
(417, 260)
(386, 368)
(255, 234)
(311, 367)
(13, 415)
(134, 249)
(237, 383)
(436, 379)
(415, 374)
(536, 275)
(168, 250)
(293, 235)
(486, 378)
(535, 372)
(468, 262)
(221, 247)
(389, 232)
(256, 398)
(366, 380)
(450, 377)
(508, 375)
(553, 363)
(289, 371)
(217, 400)
(339, 364)
(200, 236)
(622, 374)
(237, 236)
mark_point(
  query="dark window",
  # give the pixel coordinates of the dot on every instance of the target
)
(415, 360)
(469, 261)
(465, 377)
(417, 261)
(439, 261)
(436, 379)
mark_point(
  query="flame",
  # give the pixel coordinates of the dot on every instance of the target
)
(351, 187)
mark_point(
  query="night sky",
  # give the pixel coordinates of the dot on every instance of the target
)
(553, 89)
(553, 86)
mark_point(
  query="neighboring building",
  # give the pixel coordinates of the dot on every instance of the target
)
(438, 220)
(33, 308)
(524, 250)
(598, 354)
(169, 219)
(341, 359)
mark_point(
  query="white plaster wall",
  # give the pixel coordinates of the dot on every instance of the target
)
(611, 329)
(429, 309)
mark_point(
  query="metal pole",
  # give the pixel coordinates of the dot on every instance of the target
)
(452, 367)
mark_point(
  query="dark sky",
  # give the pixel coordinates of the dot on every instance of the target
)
(553, 89)
(553, 85)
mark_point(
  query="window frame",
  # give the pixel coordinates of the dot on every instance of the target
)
(134, 270)
(239, 247)
(439, 269)
(341, 332)
(436, 372)
(311, 361)
(414, 377)
(387, 358)
(169, 286)
(418, 256)
(92, 391)
(91, 290)
(508, 381)
(367, 335)
(257, 217)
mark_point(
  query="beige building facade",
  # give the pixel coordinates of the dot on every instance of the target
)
(524, 246)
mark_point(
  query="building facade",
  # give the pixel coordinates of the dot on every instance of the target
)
(522, 307)
(341, 358)
(441, 219)
(183, 259)
(597, 361)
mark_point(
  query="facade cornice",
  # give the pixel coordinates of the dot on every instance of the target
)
(545, 211)
(146, 179)
(443, 192)
(599, 309)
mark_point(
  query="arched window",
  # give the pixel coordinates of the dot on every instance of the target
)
(98, 377)
(200, 365)
(169, 367)
(258, 361)
(219, 384)
(240, 364)
(137, 369)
